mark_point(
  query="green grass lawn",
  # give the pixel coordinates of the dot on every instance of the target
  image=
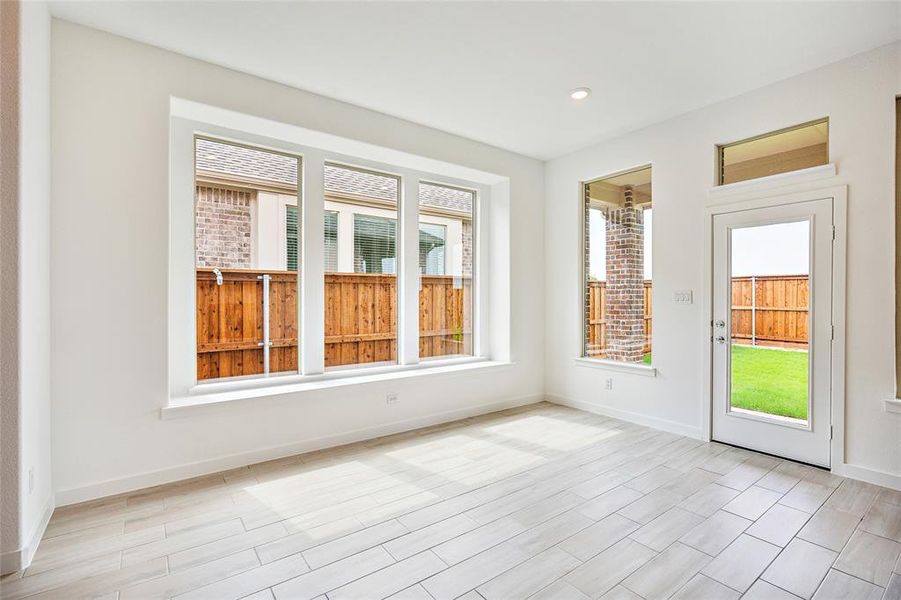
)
(768, 381)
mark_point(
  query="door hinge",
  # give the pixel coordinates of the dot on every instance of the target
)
(830, 432)
(833, 233)
(832, 334)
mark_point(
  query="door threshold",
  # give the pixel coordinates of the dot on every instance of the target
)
(799, 462)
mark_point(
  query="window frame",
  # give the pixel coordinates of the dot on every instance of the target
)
(311, 194)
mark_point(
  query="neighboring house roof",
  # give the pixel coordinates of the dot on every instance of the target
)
(243, 162)
(216, 157)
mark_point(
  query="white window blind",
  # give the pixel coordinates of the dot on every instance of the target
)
(432, 248)
(331, 241)
(375, 248)
(291, 236)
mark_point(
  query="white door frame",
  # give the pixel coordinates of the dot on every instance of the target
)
(774, 191)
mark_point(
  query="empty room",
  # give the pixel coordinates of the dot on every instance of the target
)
(358, 300)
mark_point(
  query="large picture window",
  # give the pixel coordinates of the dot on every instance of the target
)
(617, 268)
(391, 281)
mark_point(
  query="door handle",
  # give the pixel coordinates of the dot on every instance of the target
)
(720, 339)
(720, 323)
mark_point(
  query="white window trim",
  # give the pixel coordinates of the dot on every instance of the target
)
(491, 294)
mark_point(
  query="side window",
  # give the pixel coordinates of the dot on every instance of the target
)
(617, 268)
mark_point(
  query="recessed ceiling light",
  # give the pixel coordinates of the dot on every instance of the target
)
(580, 93)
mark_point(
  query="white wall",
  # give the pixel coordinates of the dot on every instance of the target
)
(109, 255)
(9, 286)
(858, 95)
(32, 354)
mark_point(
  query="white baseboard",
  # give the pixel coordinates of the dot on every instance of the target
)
(136, 482)
(889, 480)
(20, 559)
(631, 417)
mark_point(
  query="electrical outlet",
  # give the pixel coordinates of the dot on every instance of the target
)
(31, 480)
(391, 398)
(683, 297)
(608, 383)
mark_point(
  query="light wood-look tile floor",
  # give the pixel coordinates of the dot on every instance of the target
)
(539, 502)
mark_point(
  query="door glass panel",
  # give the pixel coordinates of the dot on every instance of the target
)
(770, 284)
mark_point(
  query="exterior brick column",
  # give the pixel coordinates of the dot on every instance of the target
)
(625, 281)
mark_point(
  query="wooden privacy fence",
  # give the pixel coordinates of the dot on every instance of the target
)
(360, 320)
(770, 310)
(766, 311)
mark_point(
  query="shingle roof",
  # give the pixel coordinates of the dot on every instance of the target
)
(228, 159)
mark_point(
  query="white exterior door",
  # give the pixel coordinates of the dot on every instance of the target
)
(772, 329)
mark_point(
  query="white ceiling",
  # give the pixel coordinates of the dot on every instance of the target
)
(501, 72)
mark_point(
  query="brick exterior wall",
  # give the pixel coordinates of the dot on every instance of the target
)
(222, 228)
(625, 281)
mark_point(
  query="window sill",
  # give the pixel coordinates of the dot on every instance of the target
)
(893, 405)
(612, 365)
(206, 396)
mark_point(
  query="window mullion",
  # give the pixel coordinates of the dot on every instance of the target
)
(311, 337)
(408, 272)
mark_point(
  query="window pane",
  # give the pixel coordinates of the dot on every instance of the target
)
(360, 283)
(778, 152)
(617, 255)
(446, 255)
(246, 239)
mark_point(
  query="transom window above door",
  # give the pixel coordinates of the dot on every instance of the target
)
(790, 149)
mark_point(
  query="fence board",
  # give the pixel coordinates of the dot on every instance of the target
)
(360, 320)
(781, 312)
